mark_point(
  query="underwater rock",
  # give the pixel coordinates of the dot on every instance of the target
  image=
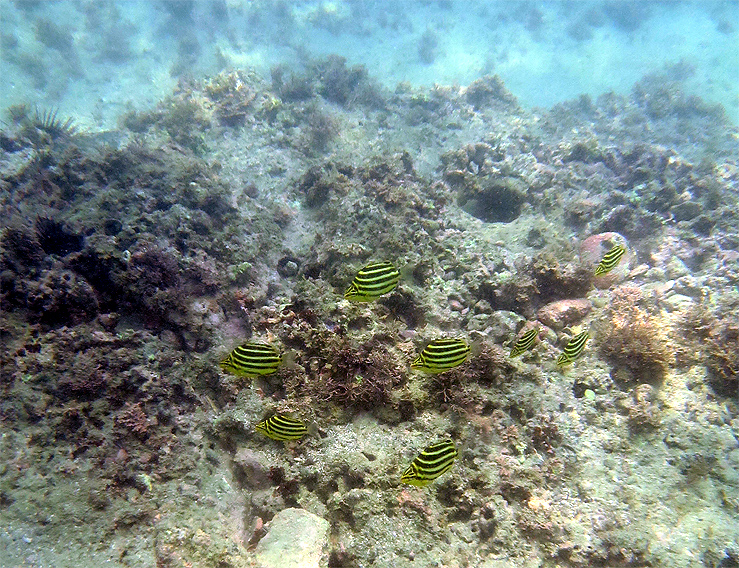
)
(686, 211)
(60, 297)
(500, 201)
(296, 539)
(562, 313)
(21, 249)
(631, 221)
(249, 471)
(643, 408)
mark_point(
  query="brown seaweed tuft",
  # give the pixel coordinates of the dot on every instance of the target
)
(632, 338)
(357, 376)
(723, 357)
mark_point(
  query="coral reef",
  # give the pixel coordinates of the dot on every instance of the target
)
(229, 213)
(60, 296)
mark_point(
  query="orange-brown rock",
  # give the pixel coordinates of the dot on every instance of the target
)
(564, 312)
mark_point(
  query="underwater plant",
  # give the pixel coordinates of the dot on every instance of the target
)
(184, 118)
(337, 82)
(632, 338)
(319, 131)
(231, 96)
(349, 375)
(723, 357)
(489, 92)
(290, 86)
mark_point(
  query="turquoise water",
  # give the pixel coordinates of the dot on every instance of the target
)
(96, 59)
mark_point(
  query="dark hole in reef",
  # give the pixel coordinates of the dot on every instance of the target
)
(201, 229)
(112, 227)
(730, 560)
(288, 266)
(407, 410)
(56, 238)
(162, 205)
(578, 389)
(501, 202)
(353, 480)
(313, 271)
(5, 500)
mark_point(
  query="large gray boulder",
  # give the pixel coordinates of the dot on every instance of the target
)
(296, 539)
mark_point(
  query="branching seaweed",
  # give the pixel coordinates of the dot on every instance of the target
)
(723, 357)
(632, 338)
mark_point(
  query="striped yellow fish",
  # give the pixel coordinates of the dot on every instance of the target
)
(525, 342)
(441, 355)
(573, 349)
(373, 281)
(610, 260)
(431, 463)
(251, 360)
(282, 428)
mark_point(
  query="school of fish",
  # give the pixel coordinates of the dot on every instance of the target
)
(254, 359)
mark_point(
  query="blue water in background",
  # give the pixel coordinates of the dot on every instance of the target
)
(94, 60)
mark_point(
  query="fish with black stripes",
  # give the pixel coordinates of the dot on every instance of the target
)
(573, 349)
(441, 355)
(252, 360)
(373, 281)
(282, 428)
(525, 342)
(432, 462)
(610, 260)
